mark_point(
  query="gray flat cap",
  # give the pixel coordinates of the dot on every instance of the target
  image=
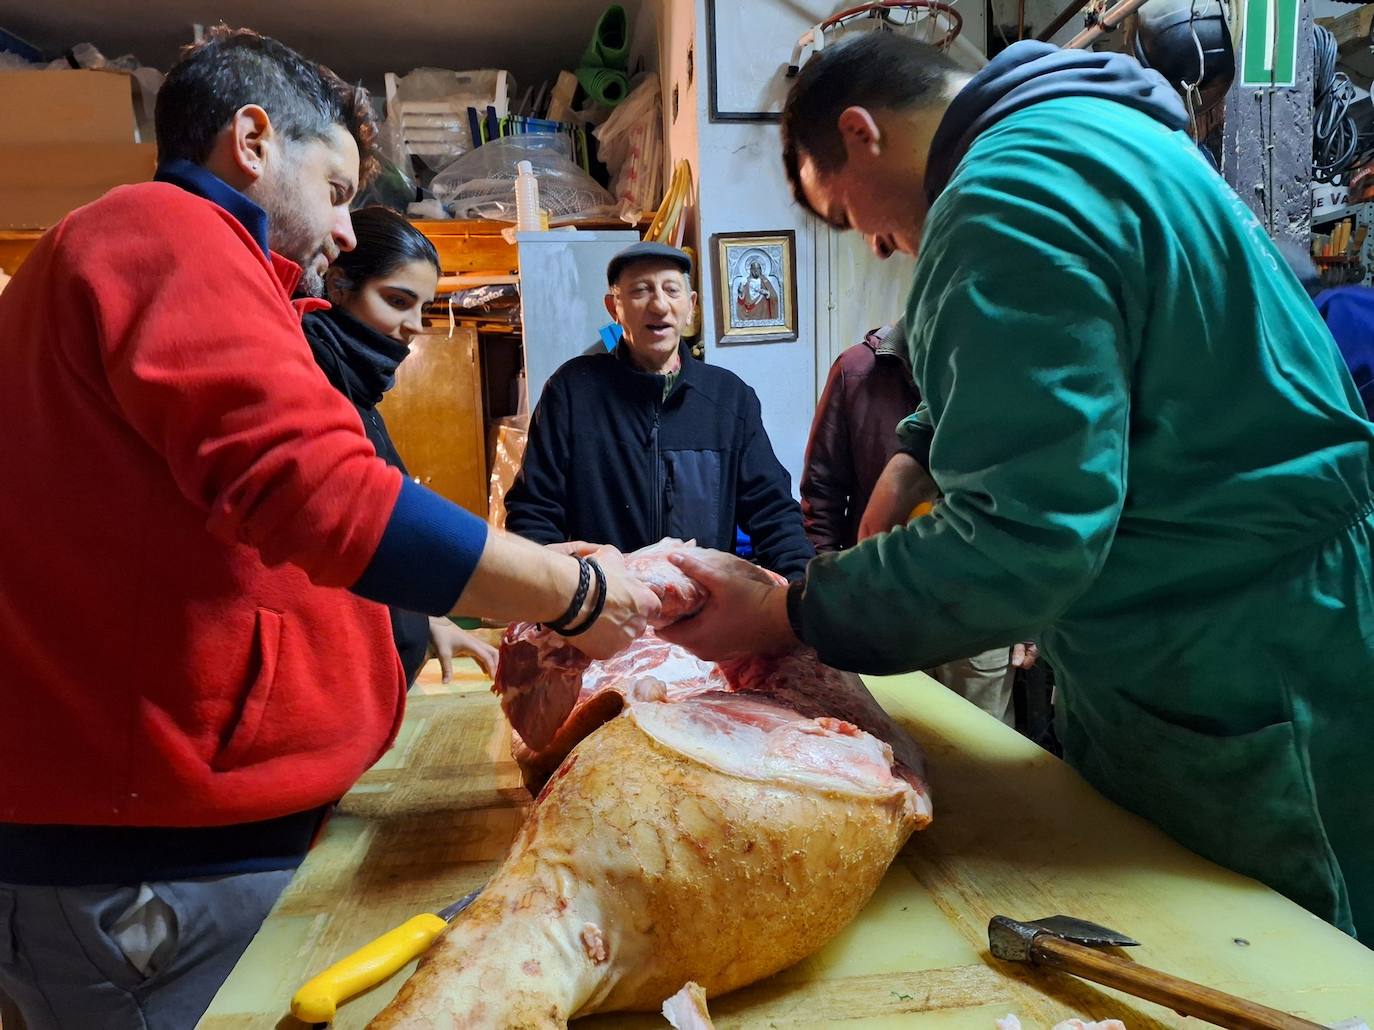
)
(642, 251)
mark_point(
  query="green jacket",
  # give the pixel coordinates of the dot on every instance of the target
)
(1152, 459)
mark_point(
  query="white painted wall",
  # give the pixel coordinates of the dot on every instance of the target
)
(862, 294)
(742, 187)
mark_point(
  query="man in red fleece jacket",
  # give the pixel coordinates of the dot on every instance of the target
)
(185, 480)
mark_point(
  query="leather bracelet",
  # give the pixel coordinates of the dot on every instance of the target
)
(598, 607)
(584, 579)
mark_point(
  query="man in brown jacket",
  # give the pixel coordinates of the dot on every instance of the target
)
(869, 390)
(853, 437)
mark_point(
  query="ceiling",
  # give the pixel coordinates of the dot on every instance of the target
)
(359, 39)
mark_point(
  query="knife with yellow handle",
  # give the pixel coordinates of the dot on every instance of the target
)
(320, 998)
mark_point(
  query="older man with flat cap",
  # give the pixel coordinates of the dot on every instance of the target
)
(644, 442)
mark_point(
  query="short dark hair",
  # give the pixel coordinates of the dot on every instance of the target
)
(232, 68)
(875, 70)
(386, 241)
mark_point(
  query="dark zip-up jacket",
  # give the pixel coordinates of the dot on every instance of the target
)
(610, 460)
(361, 364)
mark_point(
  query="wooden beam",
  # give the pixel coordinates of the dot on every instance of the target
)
(466, 247)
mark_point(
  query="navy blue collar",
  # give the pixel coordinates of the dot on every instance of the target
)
(195, 179)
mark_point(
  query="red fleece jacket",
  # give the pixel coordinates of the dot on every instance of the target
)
(185, 499)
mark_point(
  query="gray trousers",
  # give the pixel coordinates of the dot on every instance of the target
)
(143, 957)
(985, 679)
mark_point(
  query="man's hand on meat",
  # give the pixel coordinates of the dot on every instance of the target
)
(745, 612)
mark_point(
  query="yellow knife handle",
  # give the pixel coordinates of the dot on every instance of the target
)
(318, 1000)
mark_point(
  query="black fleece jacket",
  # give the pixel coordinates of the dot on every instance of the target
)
(610, 460)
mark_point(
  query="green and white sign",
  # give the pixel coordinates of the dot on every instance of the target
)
(1269, 43)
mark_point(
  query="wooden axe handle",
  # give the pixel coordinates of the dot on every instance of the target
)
(1182, 996)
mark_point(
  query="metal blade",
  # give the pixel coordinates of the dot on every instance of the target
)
(447, 914)
(1084, 932)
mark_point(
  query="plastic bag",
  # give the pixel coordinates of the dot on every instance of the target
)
(630, 143)
(394, 184)
(428, 110)
(511, 435)
(481, 183)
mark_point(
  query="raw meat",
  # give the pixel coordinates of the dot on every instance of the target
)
(653, 669)
(538, 677)
(554, 695)
(800, 682)
(1010, 1022)
(679, 594)
(686, 1010)
(650, 669)
(540, 673)
(717, 839)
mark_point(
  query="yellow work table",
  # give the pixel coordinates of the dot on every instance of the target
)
(1016, 832)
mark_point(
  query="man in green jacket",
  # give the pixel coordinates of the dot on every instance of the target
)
(1149, 451)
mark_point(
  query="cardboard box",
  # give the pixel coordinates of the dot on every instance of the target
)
(41, 183)
(66, 107)
(1352, 32)
(1352, 28)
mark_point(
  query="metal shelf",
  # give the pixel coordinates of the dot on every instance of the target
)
(1335, 214)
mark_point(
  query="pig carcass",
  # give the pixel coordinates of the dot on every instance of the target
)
(709, 824)
(718, 839)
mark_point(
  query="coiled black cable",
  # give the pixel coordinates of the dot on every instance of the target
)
(1336, 144)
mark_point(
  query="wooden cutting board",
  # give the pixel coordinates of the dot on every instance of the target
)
(1016, 832)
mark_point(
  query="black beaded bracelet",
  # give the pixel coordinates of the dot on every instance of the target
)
(584, 579)
(598, 607)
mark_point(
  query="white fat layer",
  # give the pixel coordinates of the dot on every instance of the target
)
(754, 740)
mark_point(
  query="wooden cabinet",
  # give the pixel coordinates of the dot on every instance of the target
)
(434, 414)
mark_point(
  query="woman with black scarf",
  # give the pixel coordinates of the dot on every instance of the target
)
(378, 291)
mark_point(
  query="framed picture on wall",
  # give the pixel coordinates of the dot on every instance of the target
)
(756, 286)
(749, 46)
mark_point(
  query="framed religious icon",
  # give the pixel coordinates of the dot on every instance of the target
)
(756, 286)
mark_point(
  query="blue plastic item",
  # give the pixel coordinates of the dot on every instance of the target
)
(611, 334)
(744, 547)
